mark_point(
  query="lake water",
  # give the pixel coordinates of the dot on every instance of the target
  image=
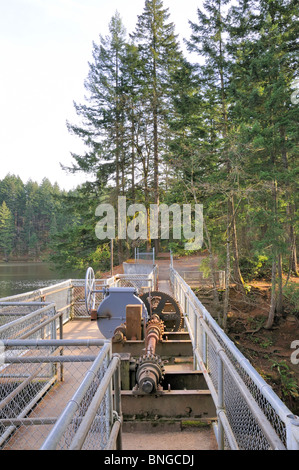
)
(19, 277)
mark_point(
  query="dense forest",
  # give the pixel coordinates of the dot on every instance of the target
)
(31, 214)
(221, 131)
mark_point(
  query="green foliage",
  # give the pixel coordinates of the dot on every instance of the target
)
(101, 257)
(6, 230)
(205, 267)
(33, 215)
(76, 247)
(289, 386)
(256, 266)
(291, 293)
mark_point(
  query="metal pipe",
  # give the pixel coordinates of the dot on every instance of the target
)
(233, 445)
(27, 421)
(117, 403)
(42, 325)
(61, 349)
(40, 292)
(48, 290)
(220, 405)
(36, 343)
(47, 359)
(151, 340)
(150, 370)
(24, 304)
(114, 435)
(14, 314)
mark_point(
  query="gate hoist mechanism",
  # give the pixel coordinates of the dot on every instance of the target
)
(124, 315)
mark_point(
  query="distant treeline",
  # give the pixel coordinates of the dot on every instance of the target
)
(30, 215)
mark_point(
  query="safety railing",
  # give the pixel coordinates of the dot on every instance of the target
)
(143, 282)
(79, 381)
(200, 279)
(35, 320)
(250, 415)
(144, 255)
(60, 294)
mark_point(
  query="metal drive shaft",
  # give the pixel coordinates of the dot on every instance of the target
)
(150, 371)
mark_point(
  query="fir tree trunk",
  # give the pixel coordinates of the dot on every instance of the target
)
(213, 272)
(279, 303)
(293, 255)
(235, 252)
(290, 211)
(227, 276)
(271, 314)
(156, 170)
(156, 144)
(273, 303)
(133, 157)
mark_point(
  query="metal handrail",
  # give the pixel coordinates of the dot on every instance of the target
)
(21, 322)
(37, 294)
(139, 254)
(195, 314)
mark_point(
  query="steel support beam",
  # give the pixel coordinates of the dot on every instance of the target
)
(163, 349)
(172, 404)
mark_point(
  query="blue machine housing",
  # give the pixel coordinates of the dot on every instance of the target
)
(112, 310)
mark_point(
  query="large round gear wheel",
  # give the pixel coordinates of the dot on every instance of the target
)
(166, 307)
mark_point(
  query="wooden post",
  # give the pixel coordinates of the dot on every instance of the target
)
(133, 322)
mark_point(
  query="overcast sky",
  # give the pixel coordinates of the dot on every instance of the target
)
(45, 46)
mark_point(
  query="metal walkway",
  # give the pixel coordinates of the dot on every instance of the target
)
(138, 435)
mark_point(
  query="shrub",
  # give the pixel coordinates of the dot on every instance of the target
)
(291, 294)
(255, 267)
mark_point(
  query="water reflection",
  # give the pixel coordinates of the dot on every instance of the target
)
(16, 277)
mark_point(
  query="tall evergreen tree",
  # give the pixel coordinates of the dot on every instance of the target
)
(12, 191)
(209, 41)
(159, 50)
(135, 124)
(101, 131)
(263, 46)
(103, 118)
(6, 230)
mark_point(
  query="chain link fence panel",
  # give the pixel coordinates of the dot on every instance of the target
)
(251, 415)
(38, 379)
